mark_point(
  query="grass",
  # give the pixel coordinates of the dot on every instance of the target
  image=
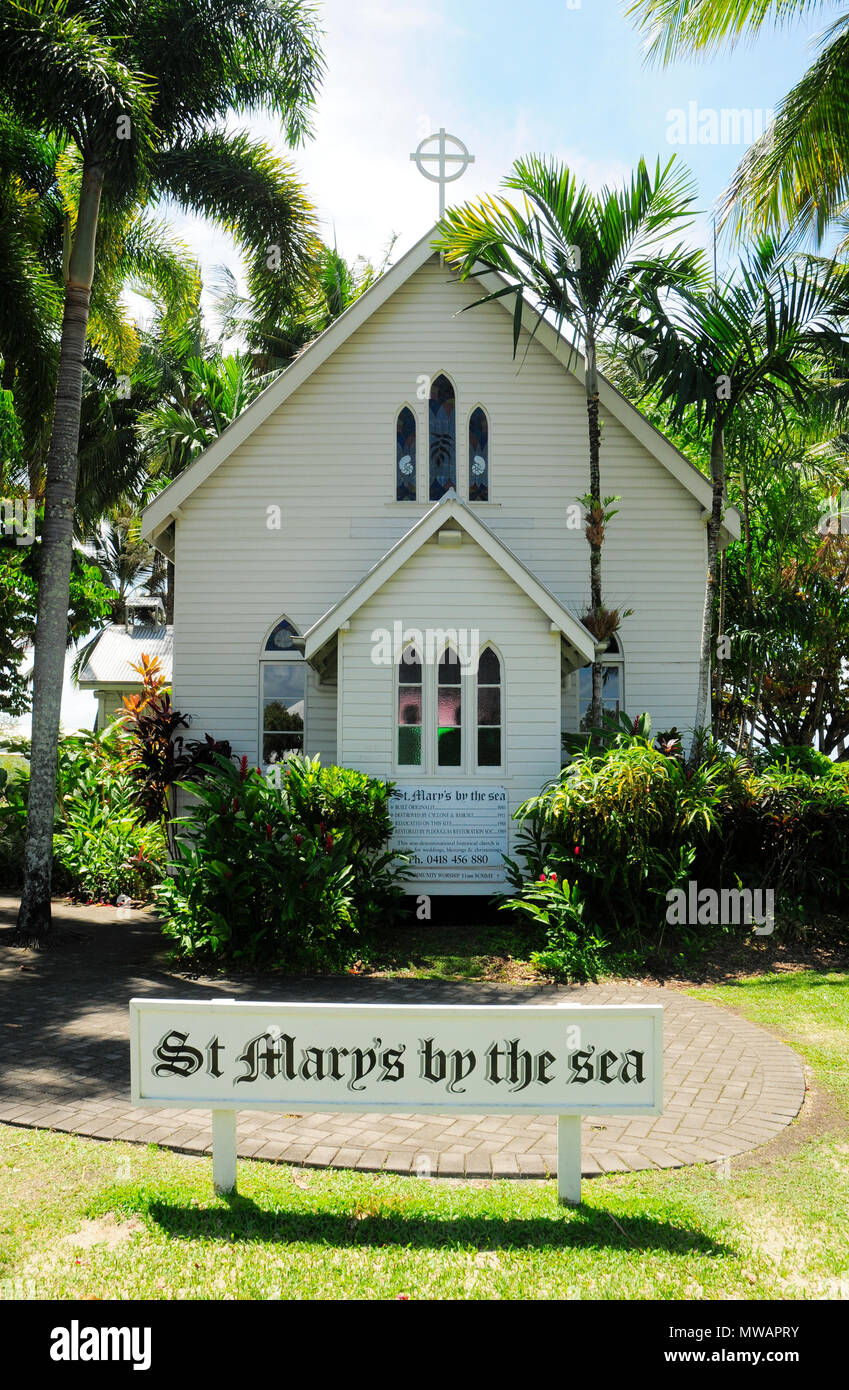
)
(810, 1008)
(81, 1219)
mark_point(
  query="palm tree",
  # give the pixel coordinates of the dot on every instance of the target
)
(797, 173)
(141, 89)
(768, 337)
(576, 254)
(276, 336)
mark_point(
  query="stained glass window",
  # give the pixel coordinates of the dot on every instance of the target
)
(450, 711)
(280, 639)
(478, 456)
(410, 708)
(443, 438)
(490, 721)
(405, 456)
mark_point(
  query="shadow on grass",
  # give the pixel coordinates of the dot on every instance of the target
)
(578, 1227)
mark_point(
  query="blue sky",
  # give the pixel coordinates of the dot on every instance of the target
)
(509, 79)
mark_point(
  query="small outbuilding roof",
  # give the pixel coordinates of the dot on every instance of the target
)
(111, 659)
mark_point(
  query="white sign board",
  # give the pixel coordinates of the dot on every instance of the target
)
(452, 834)
(227, 1055)
(477, 1058)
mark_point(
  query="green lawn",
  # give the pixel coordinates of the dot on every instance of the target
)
(81, 1219)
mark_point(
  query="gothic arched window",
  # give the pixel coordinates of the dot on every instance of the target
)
(443, 438)
(283, 689)
(490, 710)
(410, 695)
(449, 694)
(478, 456)
(405, 456)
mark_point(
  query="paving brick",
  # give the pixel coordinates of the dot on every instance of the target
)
(729, 1086)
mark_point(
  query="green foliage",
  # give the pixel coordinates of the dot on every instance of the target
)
(626, 823)
(796, 758)
(101, 844)
(158, 756)
(14, 775)
(790, 831)
(292, 875)
(89, 603)
(571, 950)
(105, 848)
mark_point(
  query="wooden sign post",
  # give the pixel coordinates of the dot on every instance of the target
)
(568, 1060)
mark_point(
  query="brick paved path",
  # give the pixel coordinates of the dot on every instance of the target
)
(64, 1064)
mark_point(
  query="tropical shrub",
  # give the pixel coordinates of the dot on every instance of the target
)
(101, 839)
(157, 754)
(553, 905)
(104, 846)
(14, 785)
(627, 823)
(798, 758)
(789, 832)
(291, 874)
(101, 845)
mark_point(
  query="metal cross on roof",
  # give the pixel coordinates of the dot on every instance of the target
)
(442, 158)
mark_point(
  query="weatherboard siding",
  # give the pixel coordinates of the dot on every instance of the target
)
(456, 587)
(326, 458)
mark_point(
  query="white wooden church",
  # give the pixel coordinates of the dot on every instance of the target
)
(381, 562)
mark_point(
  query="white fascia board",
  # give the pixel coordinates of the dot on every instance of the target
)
(161, 510)
(449, 507)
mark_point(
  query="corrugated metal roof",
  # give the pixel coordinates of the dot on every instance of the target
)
(117, 650)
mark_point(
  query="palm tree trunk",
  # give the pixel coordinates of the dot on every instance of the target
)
(720, 634)
(51, 634)
(594, 522)
(717, 472)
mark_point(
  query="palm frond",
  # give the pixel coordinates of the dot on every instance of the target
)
(682, 28)
(797, 173)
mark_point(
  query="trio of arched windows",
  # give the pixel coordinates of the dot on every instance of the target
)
(441, 448)
(449, 721)
(447, 717)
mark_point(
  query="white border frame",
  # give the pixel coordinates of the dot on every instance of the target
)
(511, 1014)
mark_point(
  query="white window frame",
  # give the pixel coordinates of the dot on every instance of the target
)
(501, 767)
(275, 659)
(397, 682)
(468, 766)
(609, 659)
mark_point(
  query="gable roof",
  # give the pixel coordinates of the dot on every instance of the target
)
(159, 513)
(453, 508)
(116, 651)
